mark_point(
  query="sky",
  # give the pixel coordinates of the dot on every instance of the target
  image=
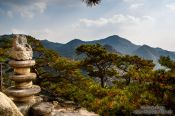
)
(150, 22)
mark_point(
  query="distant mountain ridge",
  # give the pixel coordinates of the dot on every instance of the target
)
(113, 44)
(51, 45)
(118, 43)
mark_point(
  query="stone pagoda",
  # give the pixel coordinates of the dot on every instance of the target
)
(23, 90)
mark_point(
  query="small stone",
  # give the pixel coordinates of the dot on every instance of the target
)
(84, 112)
(55, 103)
(42, 109)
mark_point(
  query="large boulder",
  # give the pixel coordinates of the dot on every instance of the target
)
(7, 106)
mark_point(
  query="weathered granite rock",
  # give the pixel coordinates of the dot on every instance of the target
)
(21, 50)
(24, 108)
(7, 107)
(53, 109)
(71, 112)
(42, 109)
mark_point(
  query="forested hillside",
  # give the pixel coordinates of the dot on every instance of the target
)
(136, 84)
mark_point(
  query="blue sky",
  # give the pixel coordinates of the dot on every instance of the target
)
(150, 22)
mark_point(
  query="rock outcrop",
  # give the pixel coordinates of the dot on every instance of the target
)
(54, 109)
(42, 109)
(7, 107)
(71, 112)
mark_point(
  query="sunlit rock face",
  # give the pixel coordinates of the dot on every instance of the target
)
(21, 50)
(52, 109)
(7, 107)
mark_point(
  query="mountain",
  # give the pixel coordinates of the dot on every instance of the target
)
(154, 54)
(120, 45)
(51, 45)
(165, 53)
(68, 49)
(147, 52)
(114, 43)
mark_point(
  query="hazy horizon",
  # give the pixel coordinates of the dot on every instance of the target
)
(139, 21)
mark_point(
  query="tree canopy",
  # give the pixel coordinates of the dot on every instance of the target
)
(167, 62)
(92, 2)
(98, 61)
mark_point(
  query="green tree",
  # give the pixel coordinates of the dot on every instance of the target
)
(166, 78)
(167, 62)
(142, 69)
(98, 62)
(135, 68)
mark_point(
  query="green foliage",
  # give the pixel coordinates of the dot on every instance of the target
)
(64, 78)
(92, 2)
(167, 62)
(98, 61)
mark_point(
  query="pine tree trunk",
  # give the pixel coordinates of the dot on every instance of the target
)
(102, 82)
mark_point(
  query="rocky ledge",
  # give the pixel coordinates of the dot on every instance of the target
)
(8, 108)
(54, 109)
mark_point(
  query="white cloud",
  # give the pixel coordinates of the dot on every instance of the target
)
(27, 9)
(10, 14)
(149, 18)
(136, 5)
(128, 26)
(40, 33)
(133, 1)
(31, 10)
(115, 19)
(44, 33)
(89, 23)
(41, 6)
(171, 6)
(18, 31)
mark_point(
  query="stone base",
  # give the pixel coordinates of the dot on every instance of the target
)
(25, 107)
(29, 99)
